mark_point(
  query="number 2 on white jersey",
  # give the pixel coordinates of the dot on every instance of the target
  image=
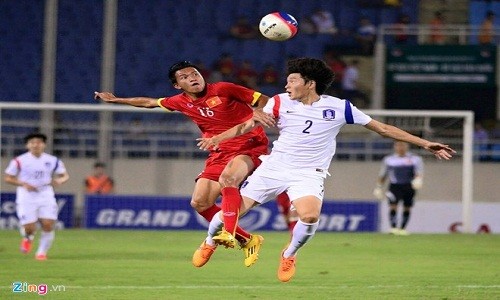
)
(309, 124)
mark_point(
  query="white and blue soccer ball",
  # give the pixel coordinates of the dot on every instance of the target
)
(278, 26)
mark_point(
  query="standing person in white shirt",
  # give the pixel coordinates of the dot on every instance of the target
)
(308, 124)
(350, 84)
(324, 21)
(35, 173)
(405, 172)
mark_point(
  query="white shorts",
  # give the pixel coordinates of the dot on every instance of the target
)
(33, 206)
(266, 183)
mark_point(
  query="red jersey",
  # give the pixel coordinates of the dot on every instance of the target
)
(223, 106)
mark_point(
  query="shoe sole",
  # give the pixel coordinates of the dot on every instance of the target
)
(204, 263)
(261, 241)
(224, 242)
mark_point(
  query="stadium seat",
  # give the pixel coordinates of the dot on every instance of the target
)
(495, 148)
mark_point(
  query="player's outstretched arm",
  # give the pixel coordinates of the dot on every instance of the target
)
(134, 101)
(439, 150)
(265, 119)
(213, 142)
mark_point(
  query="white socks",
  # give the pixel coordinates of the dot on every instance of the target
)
(23, 233)
(214, 227)
(302, 233)
(46, 239)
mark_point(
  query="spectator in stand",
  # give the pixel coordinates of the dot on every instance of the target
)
(99, 182)
(480, 134)
(242, 29)
(366, 34)
(226, 67)
(324, 22)
(338, 66)
(481, 141)
(402, 29)
(269, 75)
(307, 26)
(486, 32)
(350, 85)
(215, 74)
(204, 71)
(247, 75)
(437, 37)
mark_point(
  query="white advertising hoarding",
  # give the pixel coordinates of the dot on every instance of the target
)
(445, 217)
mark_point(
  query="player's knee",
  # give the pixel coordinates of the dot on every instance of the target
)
(309, 218)
(30, 228)
(200, 204)
(47, 226)
(196, 205)
(229, 180)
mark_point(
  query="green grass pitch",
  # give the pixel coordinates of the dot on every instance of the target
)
(105, 264)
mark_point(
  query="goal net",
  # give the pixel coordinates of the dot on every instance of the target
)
(113, 132)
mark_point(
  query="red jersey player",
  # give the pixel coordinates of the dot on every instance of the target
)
(215, 108)
(285, 208)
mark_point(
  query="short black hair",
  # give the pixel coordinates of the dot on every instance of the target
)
(312, 69)
(35, 135)
(99, 164)
(179, 66)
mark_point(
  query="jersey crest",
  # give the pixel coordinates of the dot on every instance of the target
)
(328, 114)
(213, 102)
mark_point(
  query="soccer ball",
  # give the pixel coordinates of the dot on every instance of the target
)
(278, 26)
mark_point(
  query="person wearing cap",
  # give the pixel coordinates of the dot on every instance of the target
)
(214, 108)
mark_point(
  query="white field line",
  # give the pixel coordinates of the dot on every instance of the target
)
(104, 287)
(277, 285)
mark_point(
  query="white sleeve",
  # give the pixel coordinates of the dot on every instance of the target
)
(419, 166)
(354, 116)
(268, 108)
(61, 168)
(383, 168)
(12, 169)
(360, 117)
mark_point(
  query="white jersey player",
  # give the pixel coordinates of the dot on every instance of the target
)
(308, 124)
(34, 173)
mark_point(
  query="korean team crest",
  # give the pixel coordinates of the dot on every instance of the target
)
(214, 101)
(328, 114)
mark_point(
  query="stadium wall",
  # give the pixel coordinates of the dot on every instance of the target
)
(349, 180)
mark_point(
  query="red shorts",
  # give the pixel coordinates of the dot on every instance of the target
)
(217, 161)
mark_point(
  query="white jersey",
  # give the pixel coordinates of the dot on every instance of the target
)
(307, 138)
(402, 169)
(35, 171)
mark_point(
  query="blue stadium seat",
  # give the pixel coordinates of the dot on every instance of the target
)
(21, 33)
(496, 152)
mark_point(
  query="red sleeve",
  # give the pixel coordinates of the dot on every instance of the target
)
(276, 107)
(166, 103)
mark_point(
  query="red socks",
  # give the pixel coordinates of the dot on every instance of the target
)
(231, 201)
(291, 225)
(209, 213)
